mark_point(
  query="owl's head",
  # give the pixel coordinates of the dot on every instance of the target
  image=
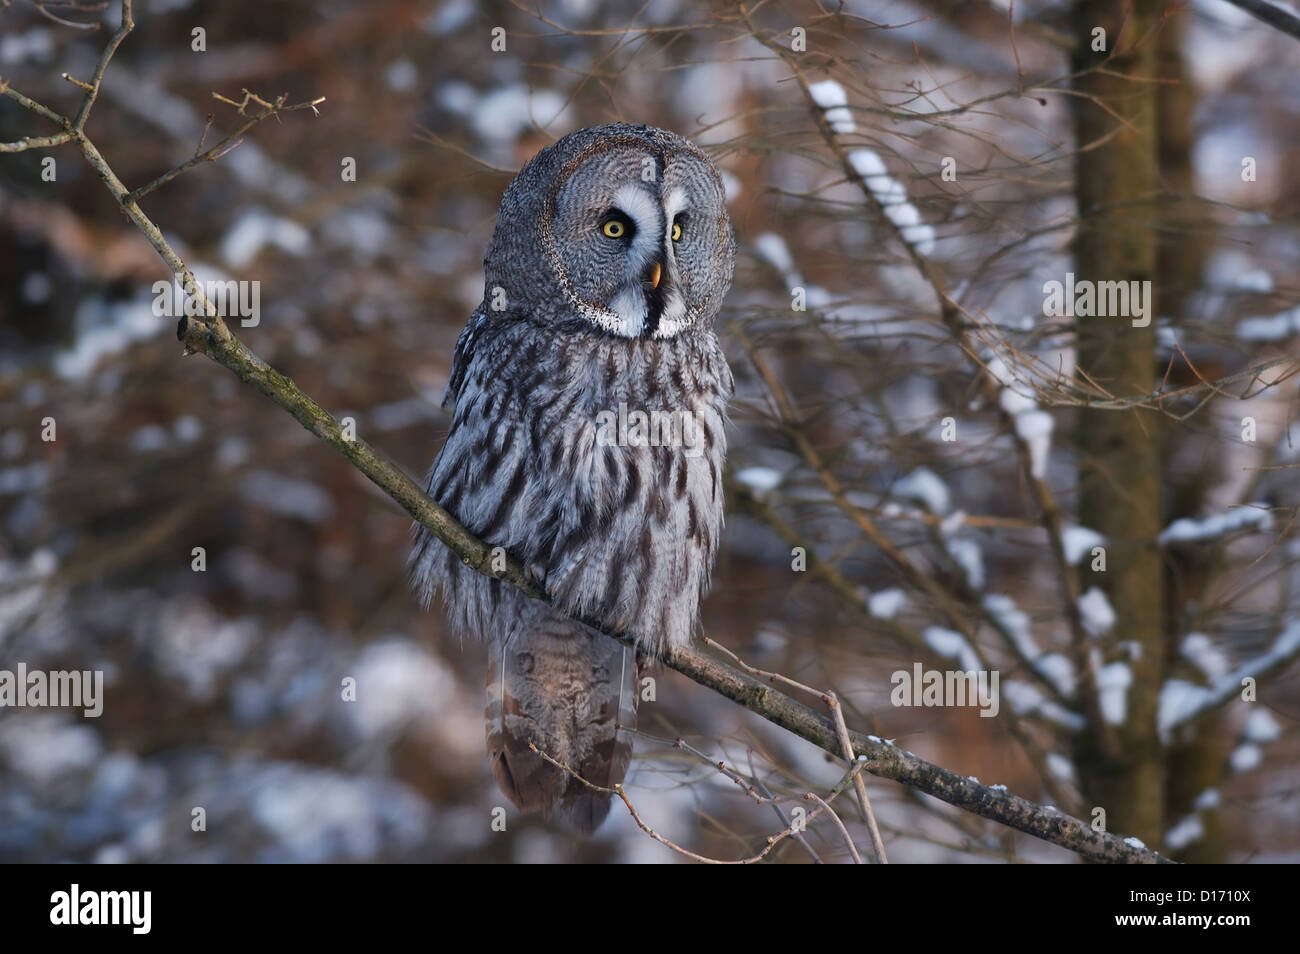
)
(625, 226)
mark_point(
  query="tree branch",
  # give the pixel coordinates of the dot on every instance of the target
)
(230, 142)
(1272, 14)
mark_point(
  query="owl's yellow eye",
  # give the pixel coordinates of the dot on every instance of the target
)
(677, 232)
(614, 228)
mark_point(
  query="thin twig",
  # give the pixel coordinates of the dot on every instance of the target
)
(842, 733)
(853, 849)
(227, 144)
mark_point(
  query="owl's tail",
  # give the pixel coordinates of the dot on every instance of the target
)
(572, 692)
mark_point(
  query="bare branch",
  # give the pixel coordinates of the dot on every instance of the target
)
(36, 142)
(842, 733)
(127, 25)
(1272, 14)
(230, 142)
(772, 841)
(853, 849)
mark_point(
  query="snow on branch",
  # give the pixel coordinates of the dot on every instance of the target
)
(1190, 530)
(1183, 702)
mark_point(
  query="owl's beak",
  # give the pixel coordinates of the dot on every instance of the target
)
(653, 276)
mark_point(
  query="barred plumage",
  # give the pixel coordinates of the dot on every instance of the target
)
(589, 329)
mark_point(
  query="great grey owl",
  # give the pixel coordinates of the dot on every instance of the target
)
(587, 440)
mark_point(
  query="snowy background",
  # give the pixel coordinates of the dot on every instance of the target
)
(223, 686)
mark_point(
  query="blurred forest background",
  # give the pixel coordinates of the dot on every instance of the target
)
(875, 297)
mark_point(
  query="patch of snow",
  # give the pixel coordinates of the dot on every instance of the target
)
(504, 114)
(924, 486)
(967, 555)
(773, 250)
(315, 815)
(401, 76)
(886, 603)
(1245, 757)
(24, 478)
(35, 45)
(1061, 767)
(1097, 614)
(1187, 529)
(1261, 727)
(888, 191)
(830, 96)
(1253, 280)
(1035, 429)
(761, 480)
(922, 237)
(457, 97)
(1015, 402)
(287, 496)
(1053, 667)
(868, 164)
(398, 682)
(1077, 542)
(105, 329)
(1057, 669)
(952, 523)
(1199, 649)
(450, 16)
(187, 428)
(1207, 800)
(1264, 328)
(731, 186)
(232, 452)
(1113, 682)
(1028, 700)
(1178, 699)
(196, 647)
(257, 229)
(44, 747)
(892, 195)
(1186, 832)
(151, 437)
(952, 645)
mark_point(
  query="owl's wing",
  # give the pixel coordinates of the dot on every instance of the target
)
(464, 351)
(514, 464)
(468, 477)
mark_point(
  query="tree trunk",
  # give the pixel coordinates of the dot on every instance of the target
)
(1121, 768)
(1193, 763)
